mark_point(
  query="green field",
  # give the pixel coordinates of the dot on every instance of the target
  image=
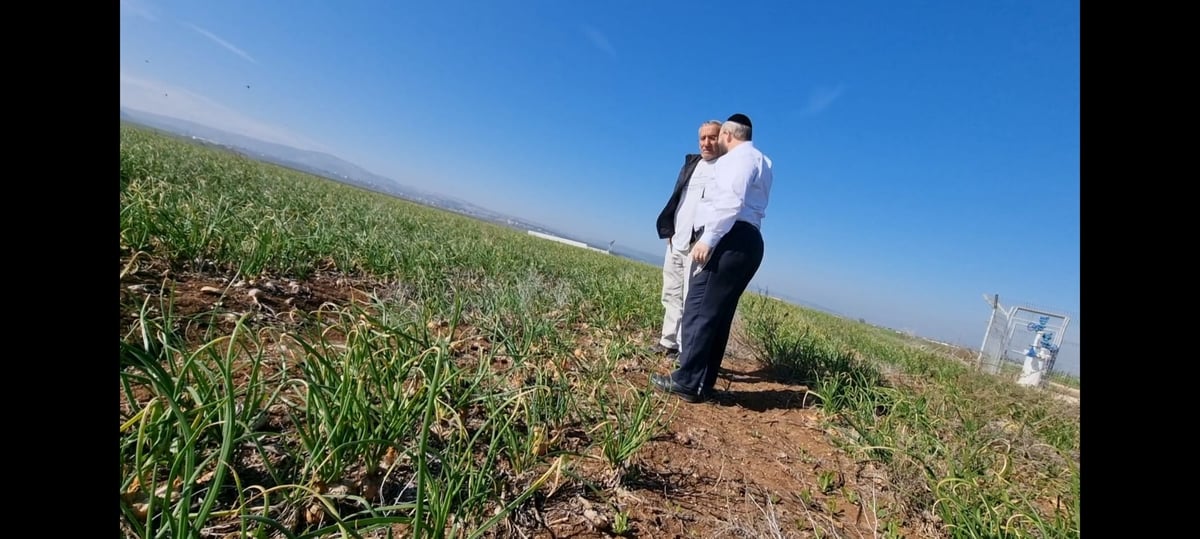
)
(362, 366)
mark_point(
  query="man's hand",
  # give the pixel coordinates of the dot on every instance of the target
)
(700, 253)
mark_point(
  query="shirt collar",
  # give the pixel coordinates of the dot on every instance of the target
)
(742, 147)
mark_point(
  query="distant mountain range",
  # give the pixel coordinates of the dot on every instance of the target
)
(337, 169)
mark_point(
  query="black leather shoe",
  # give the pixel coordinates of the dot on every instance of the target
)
(665, 383)
(658, 348)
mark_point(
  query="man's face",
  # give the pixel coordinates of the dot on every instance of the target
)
(708, 142)
(723, 139)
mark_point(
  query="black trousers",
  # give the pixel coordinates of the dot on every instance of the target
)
(711, 302)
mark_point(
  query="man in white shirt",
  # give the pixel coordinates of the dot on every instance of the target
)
(676, 224)
(728, 253)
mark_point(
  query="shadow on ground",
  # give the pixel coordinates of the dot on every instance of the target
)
(764, 400)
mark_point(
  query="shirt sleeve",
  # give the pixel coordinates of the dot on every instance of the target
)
(728, 193)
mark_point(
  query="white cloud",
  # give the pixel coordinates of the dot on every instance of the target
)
(599, 41)
(821, 98)
(222, 43)
(177, 102)
(138, 9)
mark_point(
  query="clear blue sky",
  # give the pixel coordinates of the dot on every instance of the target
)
(926, 153)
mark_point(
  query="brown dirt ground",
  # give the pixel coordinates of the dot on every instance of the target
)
(739, 466)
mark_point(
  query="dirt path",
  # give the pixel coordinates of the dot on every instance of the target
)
(751, 463)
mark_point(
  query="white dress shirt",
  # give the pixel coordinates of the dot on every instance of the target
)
(685, 213)
(739, 193)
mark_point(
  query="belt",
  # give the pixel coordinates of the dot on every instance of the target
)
(697, 232)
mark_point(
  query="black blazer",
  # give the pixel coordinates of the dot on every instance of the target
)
(666, 219)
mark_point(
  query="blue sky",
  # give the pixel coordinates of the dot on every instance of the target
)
(926, 153)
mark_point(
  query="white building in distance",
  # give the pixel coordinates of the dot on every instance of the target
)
(566, 241)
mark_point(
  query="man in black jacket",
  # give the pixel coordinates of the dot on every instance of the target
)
(675, 225)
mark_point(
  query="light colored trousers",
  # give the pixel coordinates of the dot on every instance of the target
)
(677, 273)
